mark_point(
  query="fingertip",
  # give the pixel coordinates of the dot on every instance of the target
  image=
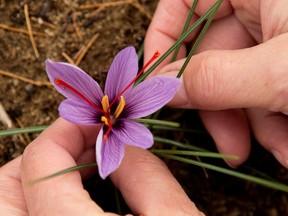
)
(180, 100)
(148, 186)
(230, 131)
(280, 157)
(202, 6)
(270, 130)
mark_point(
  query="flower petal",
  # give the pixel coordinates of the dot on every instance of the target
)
(149, 96)
(134, 134)
(108, 154)
(122, 71)
(76, 78)
(78, 112)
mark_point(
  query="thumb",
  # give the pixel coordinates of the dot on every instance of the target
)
(225, 79)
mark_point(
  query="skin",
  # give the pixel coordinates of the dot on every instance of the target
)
(63, 145)
(240, 63)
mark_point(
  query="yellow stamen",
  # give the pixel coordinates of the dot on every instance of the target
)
(120, 107)
(105, 104)
(105, 120)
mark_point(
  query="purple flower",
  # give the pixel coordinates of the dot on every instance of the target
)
(115, 109)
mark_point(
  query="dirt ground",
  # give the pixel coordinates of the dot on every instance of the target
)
(65, 29)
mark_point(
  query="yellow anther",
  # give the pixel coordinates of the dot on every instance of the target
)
(105, 104)
(105, 120)
(120, 107)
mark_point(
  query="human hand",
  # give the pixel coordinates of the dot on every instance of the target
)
(241, 63)
(144, 181)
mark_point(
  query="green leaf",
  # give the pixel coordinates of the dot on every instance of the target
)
(194, 153)
(178, 144)
(15, 131)
(158, 122)
(261, 181)
(198, 40)
(70, 169)
(186, 25)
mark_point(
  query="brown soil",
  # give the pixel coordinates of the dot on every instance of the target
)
(71, 28)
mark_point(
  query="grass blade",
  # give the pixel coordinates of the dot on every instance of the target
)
(15, 131)
(169, 128)
(178, 144)
(197, 42)
(70, 169)
(194, 153)
(261, 181)
(158, 122)
(186, 25)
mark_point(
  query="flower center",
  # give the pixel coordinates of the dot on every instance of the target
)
(109, 118)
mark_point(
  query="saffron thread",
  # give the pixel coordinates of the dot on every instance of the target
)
(156, 55)
(105, 137)
(60, 82)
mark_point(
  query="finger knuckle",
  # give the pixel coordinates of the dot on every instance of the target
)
(32, 153)
(204, 81)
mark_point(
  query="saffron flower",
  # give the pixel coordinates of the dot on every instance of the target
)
(115, 109)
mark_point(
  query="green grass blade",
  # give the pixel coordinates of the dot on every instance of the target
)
(70, 169)
(186, 25)
(261, 181)
(259, 173)
(117, 199)
(169, 128)
(197, 42)
(180, 40)
(194, 153)
(15, 131)
(178, 144)
(140, 51)
(158, 122)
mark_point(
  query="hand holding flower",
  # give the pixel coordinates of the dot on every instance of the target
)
(62, 145)
(114, 109)
(108, 123)
(240, 63)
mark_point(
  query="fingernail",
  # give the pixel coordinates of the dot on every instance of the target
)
(279, 157)
(180, 99)
(230, 165)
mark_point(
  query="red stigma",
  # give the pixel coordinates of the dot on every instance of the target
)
(60, 82)
(105, 137)
(156, 55)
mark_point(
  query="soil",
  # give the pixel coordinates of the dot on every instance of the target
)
(69, 29)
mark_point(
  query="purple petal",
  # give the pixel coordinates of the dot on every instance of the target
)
(79, 113)
(122, 71)
(108, 154)
(134, 134)
(76, 78)
(149, 96)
